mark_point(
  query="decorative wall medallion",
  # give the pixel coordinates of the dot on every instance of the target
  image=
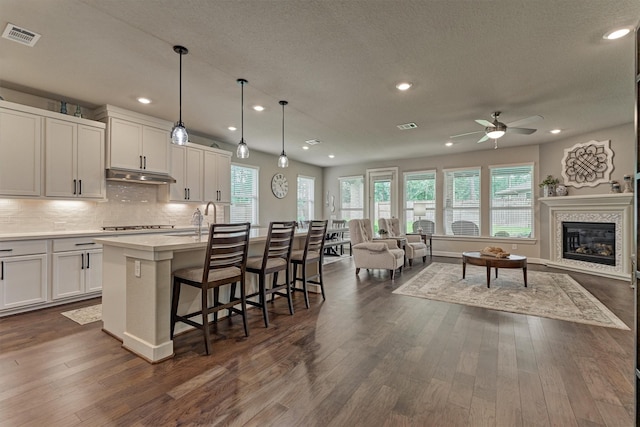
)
(587, 164)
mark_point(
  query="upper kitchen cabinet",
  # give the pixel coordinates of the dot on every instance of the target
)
(135, 141)
(187, 169)
(74, 154)
(20, 150)
(217, 176)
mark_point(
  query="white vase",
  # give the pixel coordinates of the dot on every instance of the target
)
(548, 191)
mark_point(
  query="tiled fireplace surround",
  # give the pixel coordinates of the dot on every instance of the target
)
(614, 208)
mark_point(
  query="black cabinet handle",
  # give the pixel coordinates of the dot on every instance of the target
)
(1, 270)
(145, 162)
(85, 244)
(188, 194)
(75, 187)
(80, 187)
(185, 194)
(88, 260)
(81, 261)
(6, 250)
(140, 162)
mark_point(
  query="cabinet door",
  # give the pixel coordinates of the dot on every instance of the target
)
(90, 164)
(68, 272)
(194, 174)
(210, 177)
(178, 191)
(20, 153)
(155, 149)
(23, 280)
(60, 158)
(223, 171)
(125, 144)
(93, 271)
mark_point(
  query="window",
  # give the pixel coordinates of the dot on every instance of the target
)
(462, 202)
(351, 197)
(511, 201)
(306, 187)
(420, 189)
(244, 194)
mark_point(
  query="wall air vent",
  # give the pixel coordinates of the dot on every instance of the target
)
(313, 141)
(20, 35)
(407, 126)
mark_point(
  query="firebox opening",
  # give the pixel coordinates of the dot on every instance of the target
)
(589, 241)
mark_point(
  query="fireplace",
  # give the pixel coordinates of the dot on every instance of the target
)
(589, 241)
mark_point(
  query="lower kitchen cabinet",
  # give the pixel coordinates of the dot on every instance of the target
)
(23, 273)
(77, 270)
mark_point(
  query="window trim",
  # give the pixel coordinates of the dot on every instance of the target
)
(532, 207)
(362, 208)
(480, 201)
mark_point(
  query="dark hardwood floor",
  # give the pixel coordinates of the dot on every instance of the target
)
(364, 357)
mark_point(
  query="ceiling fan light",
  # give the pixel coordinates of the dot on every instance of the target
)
(495, 134)
(179, 134)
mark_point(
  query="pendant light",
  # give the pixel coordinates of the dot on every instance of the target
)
(283, 161)
(179, 134)
(243, 149)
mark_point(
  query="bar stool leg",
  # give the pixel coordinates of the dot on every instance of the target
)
(243, 304)
(263, 301)
(304, 285)
(205, 321)
(174, 305)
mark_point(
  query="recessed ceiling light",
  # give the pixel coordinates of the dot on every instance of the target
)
(143, 100)
(331, 156)
(403, 85)
(555, 131)
(305, 147)
(616, 34)
(448, 143)
(258, 107)
(232, 128)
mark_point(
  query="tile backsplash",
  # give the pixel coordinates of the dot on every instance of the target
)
(127, 204)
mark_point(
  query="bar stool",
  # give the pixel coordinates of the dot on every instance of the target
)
(276, 258)
(224, 263)
(312, 253)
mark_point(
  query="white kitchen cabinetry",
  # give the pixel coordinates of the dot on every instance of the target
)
(217, 176)
(23, 273)
(77, 267)
(187, 167)
(20, 150)
(74, 160)
(135, 141)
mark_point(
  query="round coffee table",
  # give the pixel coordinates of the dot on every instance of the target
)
(476, 258)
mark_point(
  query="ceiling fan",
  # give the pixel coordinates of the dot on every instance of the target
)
(496, 129)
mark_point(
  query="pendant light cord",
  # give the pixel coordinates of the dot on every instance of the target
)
(283, 104)
(242, 111)
(180, 87)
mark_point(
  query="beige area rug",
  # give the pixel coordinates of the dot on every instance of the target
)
(330, 259)
(552, 295)
(85, 315)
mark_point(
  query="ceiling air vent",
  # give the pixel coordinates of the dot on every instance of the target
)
(407, 126)
(313, 141)
(20, 35)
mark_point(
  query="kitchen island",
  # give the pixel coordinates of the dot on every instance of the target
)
(136, 287)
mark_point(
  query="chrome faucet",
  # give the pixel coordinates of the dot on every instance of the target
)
(215, 212)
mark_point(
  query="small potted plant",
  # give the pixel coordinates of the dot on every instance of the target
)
(548, 186)
(383, 233)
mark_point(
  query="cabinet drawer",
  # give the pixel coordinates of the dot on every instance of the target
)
(23, 247)
(75, 244)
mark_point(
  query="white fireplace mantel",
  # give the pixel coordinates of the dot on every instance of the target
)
(616, 208)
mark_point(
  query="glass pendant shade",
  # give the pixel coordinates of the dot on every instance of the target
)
(283, 160)
(179, 135)
(243, 149)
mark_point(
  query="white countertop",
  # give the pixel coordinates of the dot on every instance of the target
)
(55, 234)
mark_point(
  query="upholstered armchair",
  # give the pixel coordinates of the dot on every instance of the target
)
(415, 247)
(368, 253)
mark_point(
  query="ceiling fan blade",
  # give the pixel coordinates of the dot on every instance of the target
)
(483, 139)
(465, 134)
(523, 131)
(525, 121)
(485, 123)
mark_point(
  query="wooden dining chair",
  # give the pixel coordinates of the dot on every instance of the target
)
(311, 254)
(224, 263)
(276, 258)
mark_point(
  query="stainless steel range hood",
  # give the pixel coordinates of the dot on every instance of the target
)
(140, 177)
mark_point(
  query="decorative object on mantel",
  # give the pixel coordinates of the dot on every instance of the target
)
(628, 186)
(587, 164)
(548, 186)
(615, 187)
(63, 107)
(78, 112)
(561, 190)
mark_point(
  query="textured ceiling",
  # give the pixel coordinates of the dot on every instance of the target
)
(337, 63)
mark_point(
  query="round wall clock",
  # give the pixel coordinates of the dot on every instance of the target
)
(279, 185)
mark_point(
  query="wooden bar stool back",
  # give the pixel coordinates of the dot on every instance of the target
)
(224, 263)
(276, 258)
(312, 253)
